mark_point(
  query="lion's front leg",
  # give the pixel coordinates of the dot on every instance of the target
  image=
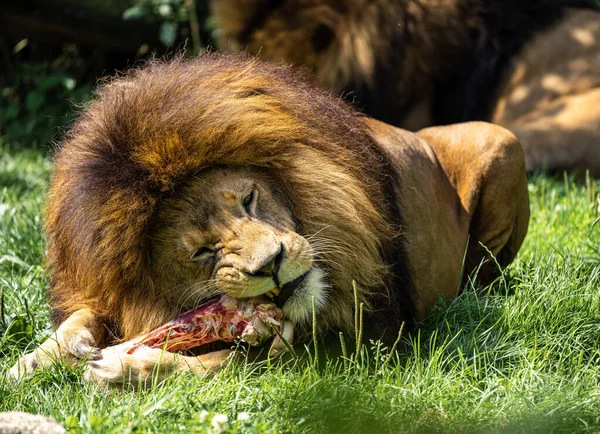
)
(145, 364)
(485, 164)
(77, 338)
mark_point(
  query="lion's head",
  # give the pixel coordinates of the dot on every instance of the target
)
(338, 41)
(232, 230)
(221, 174)
(383, 55)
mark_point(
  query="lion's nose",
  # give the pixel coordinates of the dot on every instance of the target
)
(271, 265)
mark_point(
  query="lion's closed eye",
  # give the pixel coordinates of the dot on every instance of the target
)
(202, 253)
(250, 202)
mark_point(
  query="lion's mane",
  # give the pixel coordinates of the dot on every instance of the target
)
(148, 131)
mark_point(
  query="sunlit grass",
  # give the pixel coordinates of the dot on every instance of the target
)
(522, 358)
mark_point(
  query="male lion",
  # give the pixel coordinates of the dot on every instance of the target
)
(229, 175)
(530, 66)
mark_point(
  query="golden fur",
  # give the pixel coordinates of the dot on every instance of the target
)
(161, 162)
(416, 63)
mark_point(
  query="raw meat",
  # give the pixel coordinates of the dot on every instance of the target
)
(224, 319)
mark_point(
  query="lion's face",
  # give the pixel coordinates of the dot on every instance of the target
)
(230, 230)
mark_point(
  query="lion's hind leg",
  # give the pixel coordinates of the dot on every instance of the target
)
(77, 338)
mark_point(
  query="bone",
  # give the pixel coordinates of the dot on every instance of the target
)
(224, 319)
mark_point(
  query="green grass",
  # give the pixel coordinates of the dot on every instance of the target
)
(524, 358)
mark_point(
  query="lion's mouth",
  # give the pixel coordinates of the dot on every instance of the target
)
(288, 289)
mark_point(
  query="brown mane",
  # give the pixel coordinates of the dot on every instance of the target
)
(147, 132)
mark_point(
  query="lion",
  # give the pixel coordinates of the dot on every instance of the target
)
(186, 179)
(531, 67)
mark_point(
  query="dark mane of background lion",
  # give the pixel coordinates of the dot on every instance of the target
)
(411, 63)
(147, 132)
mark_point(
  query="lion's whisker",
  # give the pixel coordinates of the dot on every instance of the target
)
(204, 289)
(310, 237)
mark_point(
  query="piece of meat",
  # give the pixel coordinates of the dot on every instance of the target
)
(224, 319)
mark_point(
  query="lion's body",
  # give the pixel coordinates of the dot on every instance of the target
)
(201, 174)
(417, 63)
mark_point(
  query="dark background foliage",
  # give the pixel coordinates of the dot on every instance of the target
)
(53, 52)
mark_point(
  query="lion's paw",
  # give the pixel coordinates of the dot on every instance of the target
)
(27, 364)
(118, 369)
(58, 348)
(146, 365)
(81, 345)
